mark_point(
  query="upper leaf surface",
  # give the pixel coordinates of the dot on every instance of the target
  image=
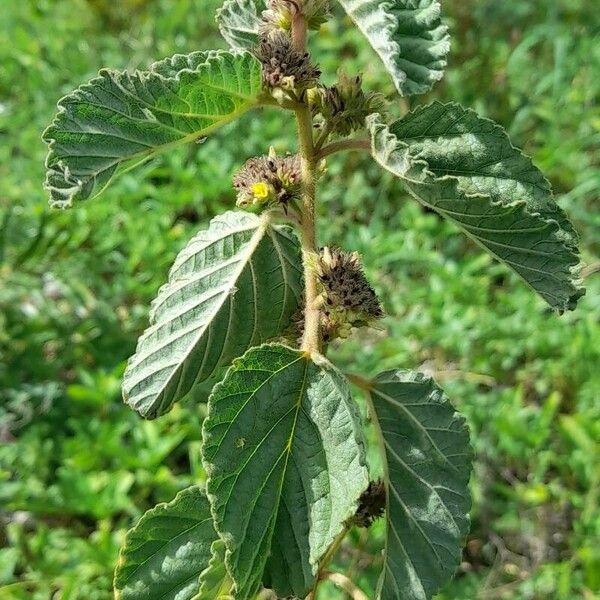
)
(409, 37)
(466, 169)
(166, 552)
(428, 464)
(120, 119)
(239, 22)
(232, 287)
(284, 454)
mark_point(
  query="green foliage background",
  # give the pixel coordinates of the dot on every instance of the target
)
(77, 467)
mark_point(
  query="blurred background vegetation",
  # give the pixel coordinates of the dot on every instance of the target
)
(77, 467)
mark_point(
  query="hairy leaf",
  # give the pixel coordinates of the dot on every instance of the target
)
(215, 583)
(166, 552)
(465, 168)
(120, 119)
(428, 464)
(284, 454)
(409, 37)
(232, 287)
(239, 22)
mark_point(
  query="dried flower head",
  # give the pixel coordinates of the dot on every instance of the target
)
(283, 66)
(280, 13)
(268, 179)
(371, 504)
(345, 106)
(347, 299)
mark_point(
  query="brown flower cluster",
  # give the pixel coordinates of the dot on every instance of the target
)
(268, 179)
(345, 106)
(371, 504)
(347, 299)
(283, 66)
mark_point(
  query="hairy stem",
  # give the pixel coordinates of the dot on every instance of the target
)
(347, 585)
(324, 562)
(311, 341)
(358, 144)
(299, 30)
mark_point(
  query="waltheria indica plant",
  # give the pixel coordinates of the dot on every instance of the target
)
(252, 303)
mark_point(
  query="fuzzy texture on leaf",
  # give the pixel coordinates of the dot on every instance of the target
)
(166, 554)
(119, 119)
(233, 286)
(284, 454)
(465, 168)
(240, 22)
(215, 583)
(427, 468)
(409, 37)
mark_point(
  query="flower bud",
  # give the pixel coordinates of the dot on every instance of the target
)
(347, 299)
(345, 106)
(371, 504)
(267, 180)
(283, 66)
(280, 13)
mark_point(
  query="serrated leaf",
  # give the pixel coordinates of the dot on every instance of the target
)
(232, 287)
(121, 119)
(409, 37)
(284, 454)
(215, 583)
(428, 464)
(240, 21)
(466, 169)
(166, 552)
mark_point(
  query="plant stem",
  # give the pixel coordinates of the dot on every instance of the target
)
(359, 144)
(311, 341)
(299, 30)
(346, 584)
(324, 562)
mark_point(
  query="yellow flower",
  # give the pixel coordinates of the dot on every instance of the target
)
(261, 190)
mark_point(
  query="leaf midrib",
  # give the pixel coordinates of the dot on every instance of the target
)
(251, 248)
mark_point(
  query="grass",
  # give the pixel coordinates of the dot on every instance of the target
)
(77, 468)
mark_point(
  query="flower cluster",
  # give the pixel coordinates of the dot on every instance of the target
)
(280, 13)
(345, 106)
(268, 179)
(346, 299)
(371, 504)
(283, 66)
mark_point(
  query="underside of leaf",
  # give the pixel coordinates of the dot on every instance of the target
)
(239, 22)
(284, 454)
(428, 464)
(409, 37)
(466, 169)
(233, 286)
(121, 119)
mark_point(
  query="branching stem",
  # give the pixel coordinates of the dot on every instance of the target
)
(346, 584)
(357, 144)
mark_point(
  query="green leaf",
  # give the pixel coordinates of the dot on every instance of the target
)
(284, 453)
(166, 552)
(428, 464)
(239, 22)
(121, 119)
(232, 287)
(215, 581)
(465, 168)
(409, 37)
